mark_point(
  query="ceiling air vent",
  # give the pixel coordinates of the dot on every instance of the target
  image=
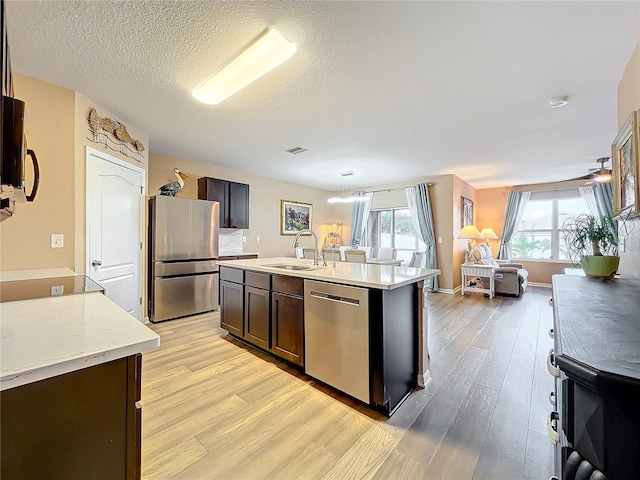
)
(296, 150)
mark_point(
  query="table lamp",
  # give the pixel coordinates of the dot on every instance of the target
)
(489, 234)
(469, 232)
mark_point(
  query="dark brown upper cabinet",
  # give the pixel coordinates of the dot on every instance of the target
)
(233, 198)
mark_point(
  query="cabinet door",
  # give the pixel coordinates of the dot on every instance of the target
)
(256, 316)
(231, 307)
(216, 190)
(287, 323)
(238, 205)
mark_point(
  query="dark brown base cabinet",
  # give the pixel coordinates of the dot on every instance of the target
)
(256, 316)
(287, 327)
(81, 425)
(264, 310)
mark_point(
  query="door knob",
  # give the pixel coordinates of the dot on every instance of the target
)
(96, 263)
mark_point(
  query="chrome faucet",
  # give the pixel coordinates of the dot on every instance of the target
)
(316, 255)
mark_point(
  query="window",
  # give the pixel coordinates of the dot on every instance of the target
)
(539, 236)
(393, 227)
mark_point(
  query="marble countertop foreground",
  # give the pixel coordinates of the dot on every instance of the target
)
(364, 275)
(51, 336)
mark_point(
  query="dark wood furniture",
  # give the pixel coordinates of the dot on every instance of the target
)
(233, 198)
(83, 424)
(264, 310)
(393, 328)
(287, 319)
(596, 361)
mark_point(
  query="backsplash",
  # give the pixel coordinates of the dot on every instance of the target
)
(230, 240)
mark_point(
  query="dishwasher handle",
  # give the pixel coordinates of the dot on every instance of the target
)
(335, 298)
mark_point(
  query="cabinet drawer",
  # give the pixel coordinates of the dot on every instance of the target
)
(289, 285)
(231, 274)
(258, 280)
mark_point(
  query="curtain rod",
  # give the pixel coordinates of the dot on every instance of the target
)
(549, 189)
(429, 184)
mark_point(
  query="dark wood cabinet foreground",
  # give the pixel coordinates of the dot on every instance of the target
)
(233, 198)
(264, 310)
(596, 350)
(81, 425)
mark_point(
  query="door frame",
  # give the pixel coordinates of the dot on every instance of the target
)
(105, 157)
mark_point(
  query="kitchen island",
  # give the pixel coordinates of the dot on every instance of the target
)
(360, 328)
(70, 386)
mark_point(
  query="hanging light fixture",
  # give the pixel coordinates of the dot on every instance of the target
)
(263, 55)
(350, 198)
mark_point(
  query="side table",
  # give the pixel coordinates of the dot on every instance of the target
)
(475, 270)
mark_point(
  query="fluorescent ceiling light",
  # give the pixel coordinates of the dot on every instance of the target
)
(267, 52)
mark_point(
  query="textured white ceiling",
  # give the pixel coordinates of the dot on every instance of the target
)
(391, 90)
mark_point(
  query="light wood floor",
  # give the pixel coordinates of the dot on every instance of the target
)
(214, 409)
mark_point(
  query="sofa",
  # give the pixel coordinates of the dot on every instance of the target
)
(510, 278)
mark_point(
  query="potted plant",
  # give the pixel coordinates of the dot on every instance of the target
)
(591, 242)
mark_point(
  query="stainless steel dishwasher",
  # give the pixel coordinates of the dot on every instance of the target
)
(336, 323)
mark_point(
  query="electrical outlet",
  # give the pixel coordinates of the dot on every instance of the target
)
(57, 290)
(57, 240)
(439, 239)
(257, 239)
(244, 239)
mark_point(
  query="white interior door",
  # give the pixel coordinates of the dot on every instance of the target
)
(114, 228)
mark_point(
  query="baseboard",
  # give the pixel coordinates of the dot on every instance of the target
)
(537, 284)
(450, 291)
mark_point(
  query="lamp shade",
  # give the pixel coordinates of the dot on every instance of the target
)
(489, 234)
(469, 232)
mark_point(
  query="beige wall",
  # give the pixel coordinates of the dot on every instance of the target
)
(82, 106)
(459, 247)
(628, 101)
(264, 196)
(25, 237)
(58, 132)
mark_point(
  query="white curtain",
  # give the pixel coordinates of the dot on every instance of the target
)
(359, 217)
(589, 196)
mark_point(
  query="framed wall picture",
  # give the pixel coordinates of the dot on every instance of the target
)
(626, 168)
(295, 216)
(466, 212)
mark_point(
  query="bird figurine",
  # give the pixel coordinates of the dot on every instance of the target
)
(170, 189)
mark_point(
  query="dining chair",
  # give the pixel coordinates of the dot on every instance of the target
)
(356, 256)
(386, 253)
(418, 260)
(331, 255)
(309, 253)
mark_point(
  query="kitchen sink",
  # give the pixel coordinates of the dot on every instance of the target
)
(291, 267)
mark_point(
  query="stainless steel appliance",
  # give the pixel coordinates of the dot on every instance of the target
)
(336, 324)
(183, 253)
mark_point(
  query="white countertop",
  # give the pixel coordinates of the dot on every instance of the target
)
(51, 336)
(364, 275)
(10, 275)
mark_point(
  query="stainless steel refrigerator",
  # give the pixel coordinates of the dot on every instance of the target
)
(183, 253)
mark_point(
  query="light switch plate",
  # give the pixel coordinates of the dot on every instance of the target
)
(244, 239)
(57, 240)
(439, 239)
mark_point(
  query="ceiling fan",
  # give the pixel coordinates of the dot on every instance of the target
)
(600, 174)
